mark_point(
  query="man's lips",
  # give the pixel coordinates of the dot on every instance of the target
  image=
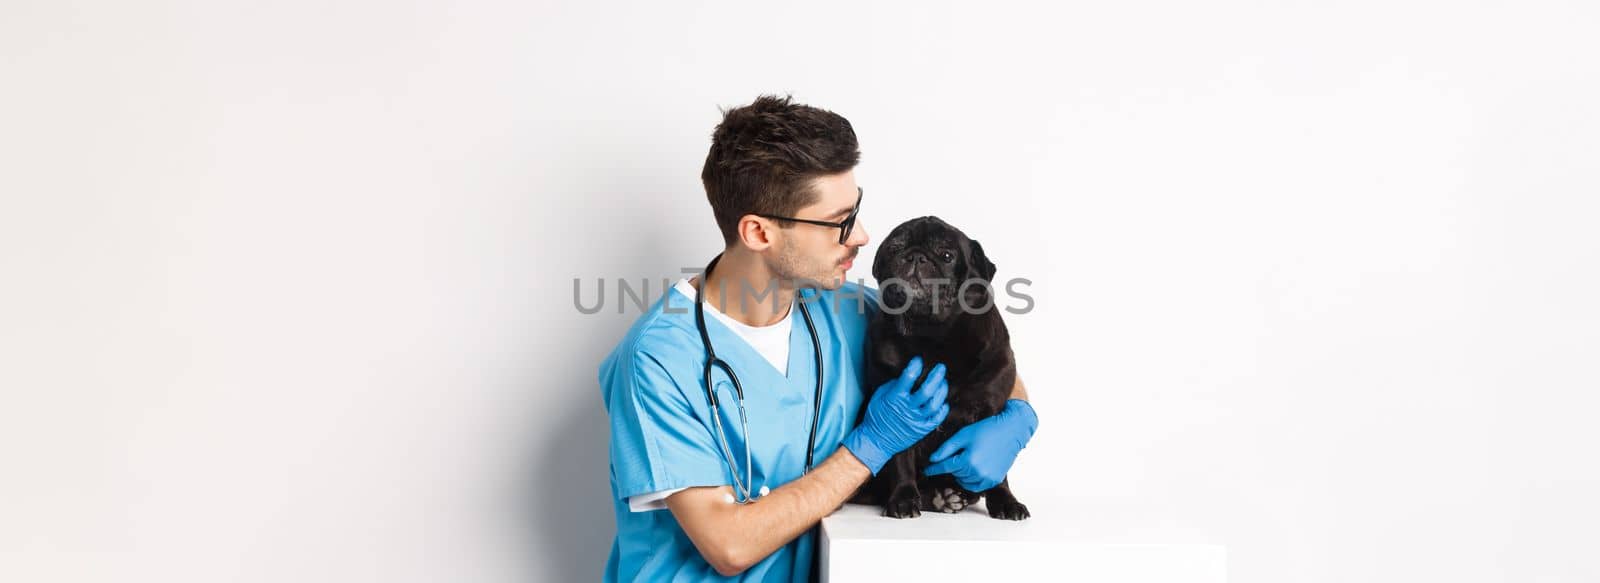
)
(849, 261)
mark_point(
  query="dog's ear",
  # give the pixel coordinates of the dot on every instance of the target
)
(880, 263)
(977, 262)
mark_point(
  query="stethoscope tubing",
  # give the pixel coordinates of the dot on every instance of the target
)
(742, 487)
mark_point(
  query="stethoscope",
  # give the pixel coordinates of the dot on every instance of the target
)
(742, 487)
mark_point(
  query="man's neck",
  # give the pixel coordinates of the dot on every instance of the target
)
(744, 289)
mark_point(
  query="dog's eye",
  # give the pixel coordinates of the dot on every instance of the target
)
(947, 256)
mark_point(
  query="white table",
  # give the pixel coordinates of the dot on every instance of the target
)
(1077, 543)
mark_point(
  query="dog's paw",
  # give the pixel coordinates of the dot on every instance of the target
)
(902, 507)
(949, 500)
(969, 497)
(1008, 510)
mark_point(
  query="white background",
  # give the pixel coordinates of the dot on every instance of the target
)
(287, 286)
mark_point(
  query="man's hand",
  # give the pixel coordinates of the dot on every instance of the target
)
(980, 454)
(897, 418)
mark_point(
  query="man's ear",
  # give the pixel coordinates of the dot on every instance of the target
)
(753, 233)
(977, 262)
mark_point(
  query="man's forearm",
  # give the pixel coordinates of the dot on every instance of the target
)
(732, 537)
(1017, 390)
(785, 513)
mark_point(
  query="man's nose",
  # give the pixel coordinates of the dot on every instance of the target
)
(860, 235)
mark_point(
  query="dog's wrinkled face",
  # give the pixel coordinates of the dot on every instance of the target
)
(922, 265)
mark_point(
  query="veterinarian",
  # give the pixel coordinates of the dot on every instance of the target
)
(700, 496)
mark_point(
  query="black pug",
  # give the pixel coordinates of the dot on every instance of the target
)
(972, 342)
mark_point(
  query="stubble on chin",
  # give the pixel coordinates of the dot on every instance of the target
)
(790, 269)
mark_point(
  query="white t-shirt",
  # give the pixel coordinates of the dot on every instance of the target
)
(772, 342)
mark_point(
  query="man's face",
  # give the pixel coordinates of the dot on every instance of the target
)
(812, 252)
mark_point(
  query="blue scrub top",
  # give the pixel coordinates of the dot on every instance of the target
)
(662, 436)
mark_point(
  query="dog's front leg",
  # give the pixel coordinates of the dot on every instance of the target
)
(904, 500)
(1002, 504)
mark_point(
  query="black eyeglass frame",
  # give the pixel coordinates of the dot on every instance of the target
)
(845, 227)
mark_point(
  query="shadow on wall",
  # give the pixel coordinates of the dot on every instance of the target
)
(564, 499)
(568, 497)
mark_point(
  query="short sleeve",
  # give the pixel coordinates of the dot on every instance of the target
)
(651, 501)
(658, 439)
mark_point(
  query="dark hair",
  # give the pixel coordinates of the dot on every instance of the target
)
(763, 156)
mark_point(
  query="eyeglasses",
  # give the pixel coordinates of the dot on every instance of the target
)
(845, 226)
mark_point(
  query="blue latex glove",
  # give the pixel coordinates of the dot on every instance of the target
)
(986, 448)
(897, 418)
